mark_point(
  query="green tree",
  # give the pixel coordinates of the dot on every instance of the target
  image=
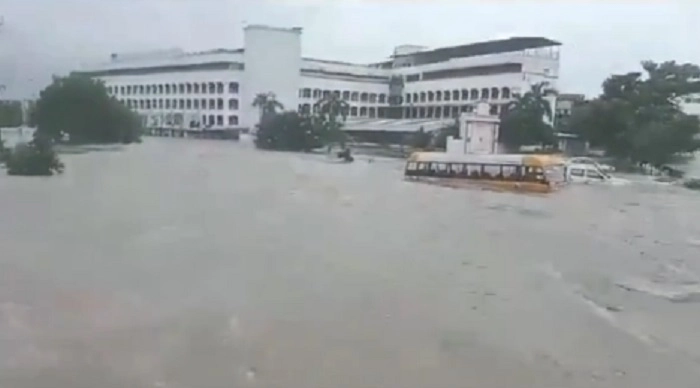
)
(637, 117)
(440, 138)
(10, 113)
(332, 113)
(421, 139)
(523, 121)
(288, 131)
(36, 158)
(81, 108)
(267, 104)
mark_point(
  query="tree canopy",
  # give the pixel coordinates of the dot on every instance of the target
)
(638, 117)
(81, 108)
(523, 121)
(288, 131)
(332, 112)
(36, 158)
(267, 104)
(10, 113)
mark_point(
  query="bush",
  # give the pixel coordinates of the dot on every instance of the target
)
(693, 184)
(36, 158)
(440, 139)
(288, 131)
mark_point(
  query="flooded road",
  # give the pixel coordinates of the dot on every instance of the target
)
(183, 264)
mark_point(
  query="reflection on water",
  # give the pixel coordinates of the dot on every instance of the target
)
(209, 264)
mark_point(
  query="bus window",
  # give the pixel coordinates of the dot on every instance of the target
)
(474, 171)
(456, 168)
(492, 171)
(411, 166)
(511, 173)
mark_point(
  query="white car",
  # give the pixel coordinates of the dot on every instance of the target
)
(590, 173)
(591, 161)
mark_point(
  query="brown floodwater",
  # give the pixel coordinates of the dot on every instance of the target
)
(186, 263)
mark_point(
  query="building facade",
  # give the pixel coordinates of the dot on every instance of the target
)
(215, 89)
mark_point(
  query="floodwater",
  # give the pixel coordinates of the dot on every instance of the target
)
(187, 263)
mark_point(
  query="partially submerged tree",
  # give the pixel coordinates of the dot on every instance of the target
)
(267, 104)
(288, 131)
(638, 118)
(36, 158)
(523, 121)
(80, 107)
(332, 113)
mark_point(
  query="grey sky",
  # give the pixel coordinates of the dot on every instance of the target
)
(41, 37)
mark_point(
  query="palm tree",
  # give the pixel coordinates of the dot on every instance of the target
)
(329, 109)
(267, 104)
(534, 100)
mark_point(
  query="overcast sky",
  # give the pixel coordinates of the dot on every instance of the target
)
(41, 37)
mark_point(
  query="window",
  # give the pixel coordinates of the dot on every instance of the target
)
(465, 94)
(188, 104)
(204, 88)
(495, 93)
(181, 104)
(431, 96)
(181, 89)
(346, 95)
(212, 104)
(220, 90)
(220, 118)
(446, 93)
(212, 88)
(485, 94)
(505, 93)
(382, 98)
(220, 103)
(233, 120)
(363, 111)
(438, 96)
(167, 104)
(455, 95)
(408, 98)
(167, 89)
(196, 104)
(203, 103)
(422, 97)
(576, 172)
(233, 88)
(195, 88)
(364, 97)
(188, 88)
(233, 103)
(594, 174)
(373, 98)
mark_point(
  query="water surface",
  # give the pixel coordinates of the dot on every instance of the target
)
(188, 263)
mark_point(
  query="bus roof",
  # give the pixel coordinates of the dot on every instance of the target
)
(515, 159)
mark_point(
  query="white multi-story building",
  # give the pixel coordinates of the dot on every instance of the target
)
(215, 89)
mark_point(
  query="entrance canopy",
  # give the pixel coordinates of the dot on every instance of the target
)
(396, 125)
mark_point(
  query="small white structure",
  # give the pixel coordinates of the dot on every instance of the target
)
(478, 133)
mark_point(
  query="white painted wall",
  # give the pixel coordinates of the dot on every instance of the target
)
(272, 63)
(224, 76)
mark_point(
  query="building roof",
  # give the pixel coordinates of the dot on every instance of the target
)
(481, 48)
(396, 125)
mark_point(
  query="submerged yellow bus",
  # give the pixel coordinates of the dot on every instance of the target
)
(513, 172)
